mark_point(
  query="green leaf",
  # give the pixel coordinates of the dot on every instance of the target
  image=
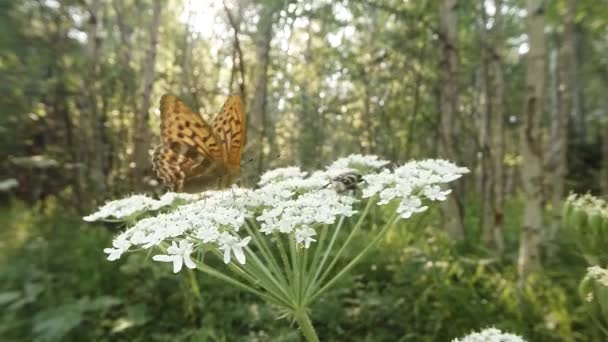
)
(9, 297)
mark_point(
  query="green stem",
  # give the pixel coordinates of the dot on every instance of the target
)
(355, 260)
(269, 257)
(317, 281)
(306, 325)
(319, 267)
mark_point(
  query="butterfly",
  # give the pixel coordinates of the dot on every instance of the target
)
(194, 155)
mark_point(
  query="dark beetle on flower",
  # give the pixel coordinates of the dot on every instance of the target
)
(346, 182)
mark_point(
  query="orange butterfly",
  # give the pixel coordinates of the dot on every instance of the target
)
(194, 155)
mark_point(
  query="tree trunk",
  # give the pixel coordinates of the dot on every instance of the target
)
(259, 104)
(91, 115)
(497, 134)
(484, 103)
(448, 106)
(557, 149)
(142, 127)
(531, 144)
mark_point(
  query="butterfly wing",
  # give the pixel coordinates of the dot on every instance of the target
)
(229, 126)
(189, 146)
(179, 124)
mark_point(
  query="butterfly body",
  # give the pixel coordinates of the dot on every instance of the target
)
(195, 155)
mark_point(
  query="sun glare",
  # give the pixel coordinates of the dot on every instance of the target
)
(204, 17)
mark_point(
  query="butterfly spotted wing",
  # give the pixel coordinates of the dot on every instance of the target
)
(192, 156)
(229, 125)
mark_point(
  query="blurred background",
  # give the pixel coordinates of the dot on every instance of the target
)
(515, 90)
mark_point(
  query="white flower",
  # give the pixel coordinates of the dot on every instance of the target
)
(178, 254)
(599, 274)
(170, 197)
(409, 206)
(280, 174)
(322, 206)
(434, 193)
(229, 243)
(490, 335)
(304, 236)
(136, 203)
(120, 244)
(357, 161)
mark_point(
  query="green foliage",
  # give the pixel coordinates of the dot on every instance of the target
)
(55, 284)
(585, 219)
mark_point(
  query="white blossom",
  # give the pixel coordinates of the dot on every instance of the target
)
(178, 254)
(490, 335)
(411, 182)
(322, 206)
(304, 236)
(358, 161)
(599, 274)
(410, 205)
(434, 193)
(128, 206)
(280, 174)
(231, 244)
(120, 245)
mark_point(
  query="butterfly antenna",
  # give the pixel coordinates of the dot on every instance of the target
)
(247, 162)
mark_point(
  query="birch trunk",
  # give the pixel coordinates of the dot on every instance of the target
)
(141, 124)
(448, 106)
(557, 148)
(531, 144)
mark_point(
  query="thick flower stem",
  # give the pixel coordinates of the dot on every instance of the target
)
(306, 325)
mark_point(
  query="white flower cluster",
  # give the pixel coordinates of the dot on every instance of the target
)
(280, 174)
(359, 162)
(411, 183)
(598, 274)
(210, 221)
(122, 208)
(287, 202)
(591, 205)
(490, 335)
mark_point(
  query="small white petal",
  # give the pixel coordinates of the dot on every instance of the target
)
(238, 253)
(189, 263)
(226, 255)
(177, 264)
(163, 258)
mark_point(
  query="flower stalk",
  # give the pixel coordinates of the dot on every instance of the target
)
(305, 325)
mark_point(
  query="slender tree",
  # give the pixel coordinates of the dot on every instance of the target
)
(531, 143)
(258, 112)
(141, 121)
(497, 134)
(448, 104)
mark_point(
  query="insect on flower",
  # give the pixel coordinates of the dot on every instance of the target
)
(346, 182)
